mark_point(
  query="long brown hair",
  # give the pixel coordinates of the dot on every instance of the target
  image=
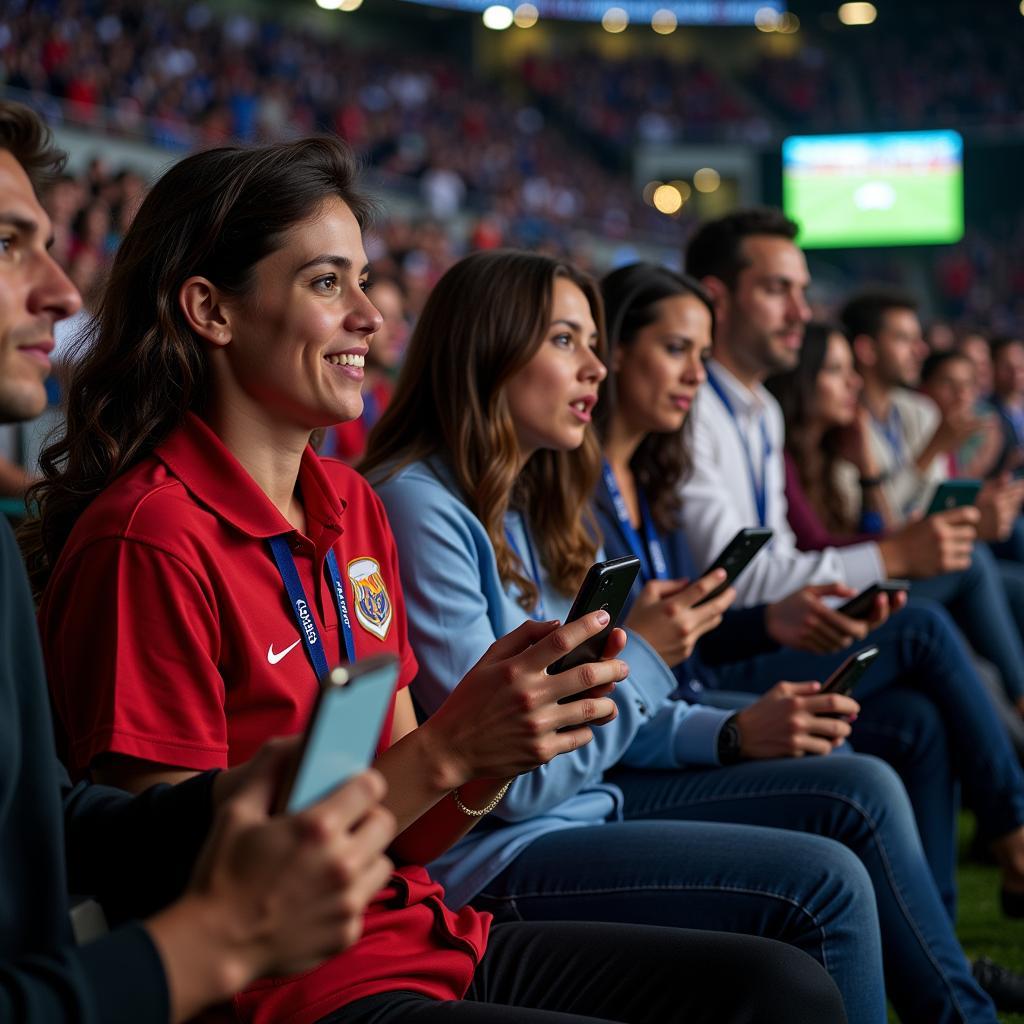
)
(215, 214)
(662, 461)
(796, 391)
(484, 320)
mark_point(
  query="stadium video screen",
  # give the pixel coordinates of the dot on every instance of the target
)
(880, 189)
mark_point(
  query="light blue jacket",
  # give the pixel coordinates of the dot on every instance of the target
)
(457, 607)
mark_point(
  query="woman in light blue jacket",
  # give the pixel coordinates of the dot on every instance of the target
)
(674, 814)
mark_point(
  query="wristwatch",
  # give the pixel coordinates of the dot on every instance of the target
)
(729, 741)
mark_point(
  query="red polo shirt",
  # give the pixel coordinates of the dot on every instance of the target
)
(169, 637)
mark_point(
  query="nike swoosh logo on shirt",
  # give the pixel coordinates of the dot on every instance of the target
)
(275, 658)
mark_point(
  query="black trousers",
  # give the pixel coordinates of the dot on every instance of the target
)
(549, 972)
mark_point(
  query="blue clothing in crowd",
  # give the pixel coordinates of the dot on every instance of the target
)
(639, 826)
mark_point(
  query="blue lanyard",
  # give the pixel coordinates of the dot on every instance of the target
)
(300, 606)
(530, 566)
(653, 564)
(892, 431)
(758, 484)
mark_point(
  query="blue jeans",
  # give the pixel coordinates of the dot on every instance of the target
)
(923, 709)
(977, 599)
(742, 849)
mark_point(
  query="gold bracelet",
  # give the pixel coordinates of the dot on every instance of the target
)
(483, 810)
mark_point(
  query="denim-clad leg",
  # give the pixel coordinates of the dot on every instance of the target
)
(1011, 549)
(861, 802)
(921, 650)
(977, 600)
(804, 890)
(906, 730)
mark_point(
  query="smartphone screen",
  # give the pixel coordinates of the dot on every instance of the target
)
(345, 729)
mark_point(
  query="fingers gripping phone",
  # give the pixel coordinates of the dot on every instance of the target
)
(736, 556)
(861, 606)
(846, 677)
(606, 586)
(343, 730)
(954, 494)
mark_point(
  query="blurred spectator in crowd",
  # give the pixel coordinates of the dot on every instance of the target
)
(1008, 390)
(387, 347)
(948, 378)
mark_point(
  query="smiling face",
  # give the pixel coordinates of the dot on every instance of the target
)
(761, 319)
(657, 374)
(34, 294)
(837, 386)
(552, 397)
(293, 347)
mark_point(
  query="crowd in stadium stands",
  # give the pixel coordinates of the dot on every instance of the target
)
(644, 99)
(184, 77)
(930, 75)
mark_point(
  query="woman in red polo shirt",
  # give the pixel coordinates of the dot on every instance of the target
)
(202, 566)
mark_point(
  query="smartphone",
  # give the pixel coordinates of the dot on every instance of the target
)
(736, 556)
(860, 607)
(954, 494)
(343, 730)
(846, 677)
(606, 585)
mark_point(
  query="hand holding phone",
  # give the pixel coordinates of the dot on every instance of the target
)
(954, 494)
(672, 615)
(736, 556)
(343, 730)
(606, 587)
(861, 606)
(846, 677)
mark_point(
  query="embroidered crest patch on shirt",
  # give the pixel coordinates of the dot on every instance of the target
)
(373, 605)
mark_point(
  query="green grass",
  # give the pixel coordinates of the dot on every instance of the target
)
(928, 208)
(981, 926)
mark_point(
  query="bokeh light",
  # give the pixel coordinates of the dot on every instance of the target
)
(707, 179)
(667, 199)
(664, 22)
(498, 17)
(615, 19)
(526, 16)
(857, 13)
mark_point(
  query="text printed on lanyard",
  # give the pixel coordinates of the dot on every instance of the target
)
(308, 630)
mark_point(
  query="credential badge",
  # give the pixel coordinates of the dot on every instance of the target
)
(373, 605)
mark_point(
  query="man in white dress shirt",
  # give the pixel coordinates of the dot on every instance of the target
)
(758, 278)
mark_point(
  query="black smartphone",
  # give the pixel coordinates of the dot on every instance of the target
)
(846, 677)
(606, 585)
(736, 556)
(860, 607)
(343, 730)
(954, 494)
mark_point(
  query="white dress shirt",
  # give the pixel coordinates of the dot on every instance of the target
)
(719, 497)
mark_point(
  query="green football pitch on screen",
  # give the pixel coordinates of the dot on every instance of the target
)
(879, 189)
